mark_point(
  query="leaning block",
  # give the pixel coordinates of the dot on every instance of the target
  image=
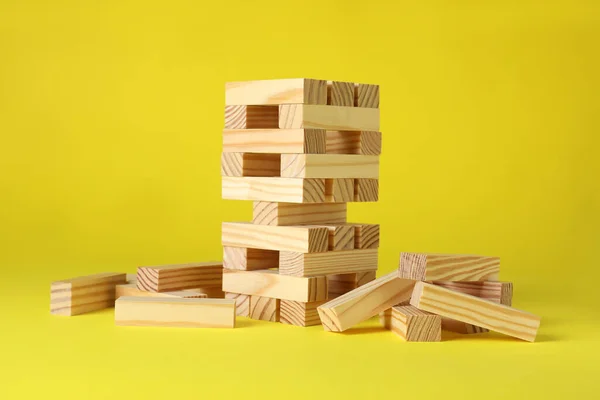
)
(366, 236)
(84, 294)
(276, 91)
(414, 325)
(168, 278)
(286, 238)
(475, 311)
(264, 308)
(328, 263)
(351, 142)
(329, 166)
(310, 141)
(248, 259)
(270, 213)
(242, 303)
(286, 190)
(299, 313)
(365, 302)
(297, 116)
(448, 267)
(131, 289)
(175, 312)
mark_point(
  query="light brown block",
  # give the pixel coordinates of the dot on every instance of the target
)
(84, 294)
(475, 311)
(276, 91)
(269, 213)
(269, 283)
(242, 303)
(328, 263)
(365, 302)
(363, 278)
(366, 236)
(286, 190)
(310, 141)
(366, 95)
(329, 166)
(414, 325)
(250, 164)
(341, 237)
(385, 318)
(168, 278)
(264, 308)
(131, 289)
(340, 93)
(340, 284)
(339, 190)
(296, 116)
(175, 312)
(353, 142)
(448, 267)
(366, 189)
(304, 239)
(249, 259)
(251, 117)
(299, 313)
(210, 292)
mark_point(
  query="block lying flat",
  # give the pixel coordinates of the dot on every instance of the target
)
(299, 313)
(85, 293)
(475, 311)
(271, 284)
(276, 91)
(287, 238)
(340, 93)
(131, 289)
(351, 142)
(175, 312)
(296, 116)
(278, 141)
(329, 166)
(270, 213)
(366, 236)
(328, 263)
(248, 259)
(366, 189)
(365, 302)
(242, 303)
(287, 190)
(341, 237)
(264, 308)
(167, 278)
(339, 190)
(366, 95)
(414, 325)
(448, 267)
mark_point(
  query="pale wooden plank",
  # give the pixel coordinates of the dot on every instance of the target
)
(288, 190)
(311, 141)
(167, 278)
(296, 116)
(329, 166)
(352, 142)
(251, 117)
(331, 262)
(242, 303)
(304, 239)
(340, 93)
(131, 289)
(264, 308)
(276, 91)
(249, 259)
(366, 236)
(250, 164)
(271, 213)
(448, 267)
(366, 189)
(339, 190)
(366, 95)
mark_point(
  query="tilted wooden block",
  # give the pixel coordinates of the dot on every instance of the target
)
(84, 294)
(305, 239)
(131, 289)
(414, 325)
(366, 236)
(296, 116)
(328, 263)
(448, 267)
(475, 311)
(339, 190)
(329, 166)
(264, 308)
(269, 283)
(167, 278)
(242, 303)
(365, 302)
(287, 190)
(299, 313)
(249, 259)
(276, 91)
(352, 142)
(310, 141)
(366, 95)
(251, 117)
(270, 213)
(175, 312)
(366, 189)
(340, 93)
(250, 164)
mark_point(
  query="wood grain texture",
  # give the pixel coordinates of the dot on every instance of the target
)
(84, 294)
(310, 141)
(296, 116)
(366, 189)
(269, 283)
(339, 190)
(264, 308)
(366, 95)
(175, 312)
(131, 289)
(276, 91)
(242, 303)
(385, 318)
(270, 213)
(365, 302)
(341, 237)
(448, 267)
(331, 262)
(362, 278)
(286, 238)
(340, 284)
(475, 311)
(251, 117)
(329, 166)
(299, 313)
(366, 236)
(287, 190)
(250, 164)
(210, 292)
(340, 93)
(167, 278)
(353, 142)
(414, 325)
(248, 259)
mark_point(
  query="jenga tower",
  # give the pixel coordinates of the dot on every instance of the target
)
(300, 149)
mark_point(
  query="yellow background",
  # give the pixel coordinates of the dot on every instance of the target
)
(110, 119)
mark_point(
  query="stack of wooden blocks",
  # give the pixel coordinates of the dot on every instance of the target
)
(301, 150)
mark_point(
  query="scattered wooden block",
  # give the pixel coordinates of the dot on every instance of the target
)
(365, 302)
(448, 267)
(310, 141)
(340, 93)
(251, 117)
(250, 164)
(328, 263)
(414, 325)
(352, 142)
(84, 294)
(305, 239)
(329, 166)
(269, 213)
(299, 313)
(131, 289)
(286, 190)
(269, 283)
(366, 236)
(167, 278)
(242, 303)
(276, 91)
(248, 259)
(475, 311)
(366, 95)
(366, 189)
(175, 312)
(264, 308)
(296, 116)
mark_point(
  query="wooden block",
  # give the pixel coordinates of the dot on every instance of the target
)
(414, 325)
(304, 239)
(366, 95)
(131, 278)
(251, 117)
(84, 294)
(248, 259)
(366, 189)
(175, 312)
(339, 190)
(299, 313)
(329, 166)
(365, 302)
(250, 164)
(363, 278)
(448, 267)
(331, 262)
(242, 303)
(287, 190)
(310, 141)
(264, 308)
(353, 142)
(269, 283)
(210, 292)
(340, 93)
(296, 116)
(131, 289)
(366, 236)
(475, 311)
(276, 91)
(269, 213)
(385, 318)
(168, 278)
(341, 237)
(340, 284)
